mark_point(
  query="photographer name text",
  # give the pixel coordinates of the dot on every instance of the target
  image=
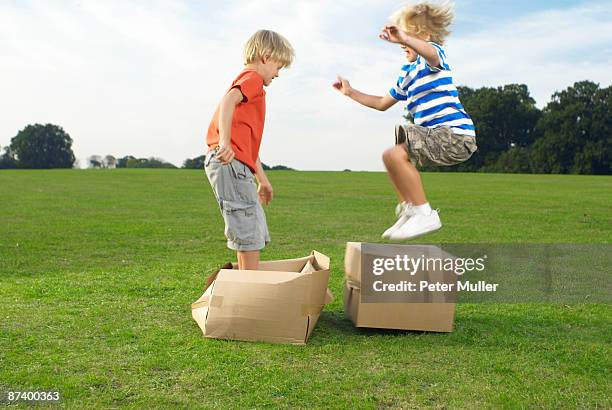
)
(426, 286)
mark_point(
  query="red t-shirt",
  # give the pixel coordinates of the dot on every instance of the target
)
(248, 119)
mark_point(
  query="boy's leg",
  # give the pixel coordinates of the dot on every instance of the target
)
(245, 224)
(416, 144)
(404, 175)
(248, 260)
(400, 195)
(407, 180)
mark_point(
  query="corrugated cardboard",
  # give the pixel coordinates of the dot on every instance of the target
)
(279, 303)
(436, 317)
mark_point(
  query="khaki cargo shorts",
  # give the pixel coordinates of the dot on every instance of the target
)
(236, 193)
(434, 146)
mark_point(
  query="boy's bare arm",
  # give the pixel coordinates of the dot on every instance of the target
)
(226, 112)
(423, 48)
(373, 101)
(264, 190)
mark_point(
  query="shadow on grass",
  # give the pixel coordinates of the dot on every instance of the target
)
(508, 324)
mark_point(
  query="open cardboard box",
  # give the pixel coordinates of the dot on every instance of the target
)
(279, 303)
(428, 316)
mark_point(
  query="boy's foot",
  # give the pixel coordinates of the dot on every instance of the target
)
(417, 225)
(403, 211)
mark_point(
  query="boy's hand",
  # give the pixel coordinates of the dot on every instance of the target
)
(225, 153)
(264, 190)
(392, 34)
(342, 85)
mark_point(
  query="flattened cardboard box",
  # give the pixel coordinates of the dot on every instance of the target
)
(428, 316)
(279, 303)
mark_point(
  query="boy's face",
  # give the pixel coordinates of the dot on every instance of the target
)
(411, 55)
(270, 69)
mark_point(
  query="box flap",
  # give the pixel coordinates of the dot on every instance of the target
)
(312, 322)
(199, 308)
(321, 260)
(329, 297)
(257, 276)
(309, 267)
(211, 278)
(352, 262)
(432, 317)
(351, 302)
(285, 265)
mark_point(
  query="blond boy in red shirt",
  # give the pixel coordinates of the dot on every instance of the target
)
(234, 136)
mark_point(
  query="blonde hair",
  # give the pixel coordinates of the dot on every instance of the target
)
(425, 18)
(268, 43)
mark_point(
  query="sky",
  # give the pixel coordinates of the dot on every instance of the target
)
(143, 78)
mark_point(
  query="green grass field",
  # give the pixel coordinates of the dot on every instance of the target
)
(98, 270)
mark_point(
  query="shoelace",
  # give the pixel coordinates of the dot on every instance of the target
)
(409, 208)
(404, 208)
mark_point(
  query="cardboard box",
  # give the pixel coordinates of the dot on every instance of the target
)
(279, 303)
(429, 315)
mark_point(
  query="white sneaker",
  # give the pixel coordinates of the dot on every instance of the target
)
(403, 211)
(399, 208)
(417, 225)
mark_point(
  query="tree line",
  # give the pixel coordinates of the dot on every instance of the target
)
(571, 134)
(198, 163)
(128, 161)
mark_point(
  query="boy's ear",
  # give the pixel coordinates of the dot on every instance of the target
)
(265, 58)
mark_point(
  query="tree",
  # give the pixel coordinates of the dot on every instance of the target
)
(130, 161)
(7, 160)
(198, 163)
(504, 117)
(195, 163)
(122, 162)
(281, 168)
(276, 168)
(95, 161)
(515, 160)
(110, 161)
(577, 132)
(43, 146)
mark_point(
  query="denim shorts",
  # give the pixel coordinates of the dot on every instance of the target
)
(434, 146)
(236, 193)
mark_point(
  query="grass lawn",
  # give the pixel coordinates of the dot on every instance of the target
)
(98, 269)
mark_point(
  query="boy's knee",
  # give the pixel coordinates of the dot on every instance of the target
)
(394, 154)
(387, 156)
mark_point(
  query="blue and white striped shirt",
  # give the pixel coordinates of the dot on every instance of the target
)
(432, 97)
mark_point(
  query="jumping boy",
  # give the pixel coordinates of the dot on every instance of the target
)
(234, 136)
(442, 133)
